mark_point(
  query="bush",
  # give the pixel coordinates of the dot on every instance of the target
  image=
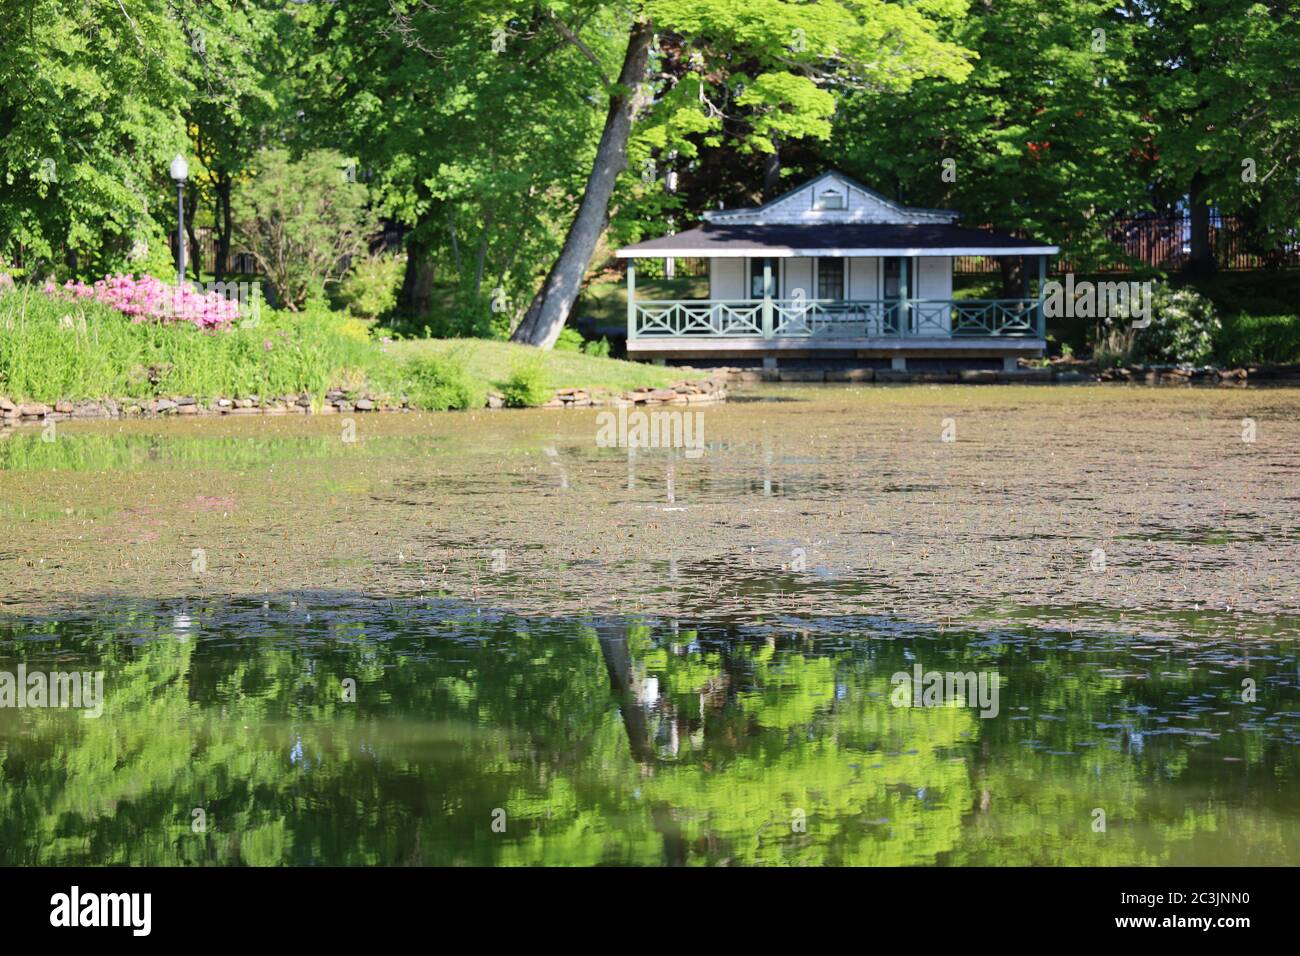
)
(439, 383)
(527, 386)
(151, 300)
(369, 290)
(1182, 330)
(1258, 338)
(570, 340)
(300, 219)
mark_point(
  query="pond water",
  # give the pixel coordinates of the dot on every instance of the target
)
(484, 639)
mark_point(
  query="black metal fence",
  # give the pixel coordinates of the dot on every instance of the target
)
(1165, 243)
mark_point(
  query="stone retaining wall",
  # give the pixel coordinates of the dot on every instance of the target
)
(706, 392)
(336, 402)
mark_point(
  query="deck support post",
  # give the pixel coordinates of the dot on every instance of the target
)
(767, 298)
(1010, 363)
(898, 363)
(631, 299)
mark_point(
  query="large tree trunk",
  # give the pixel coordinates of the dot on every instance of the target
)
(545, 318)
(224, 226)
(416, 297)
(196, 252)
(1202, 258)
(1014, 276)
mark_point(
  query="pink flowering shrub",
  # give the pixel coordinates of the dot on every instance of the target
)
(147, 299)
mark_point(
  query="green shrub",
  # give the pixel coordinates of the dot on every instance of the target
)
(527, 386)
(369, 290)
(598, 348)
(439, 383)
(1258, 338)
(570, 340)
(299, 219)
(1182, 330)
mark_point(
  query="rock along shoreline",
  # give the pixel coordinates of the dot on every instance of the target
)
(336, 402)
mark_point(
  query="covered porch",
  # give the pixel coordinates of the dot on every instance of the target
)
(838, 289)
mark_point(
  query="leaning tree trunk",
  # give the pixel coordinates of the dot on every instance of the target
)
(1202, 258)
(544, 320)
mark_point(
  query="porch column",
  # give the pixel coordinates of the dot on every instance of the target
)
(767, 298)
(1042, 282)
(904, 320)
(631, 299)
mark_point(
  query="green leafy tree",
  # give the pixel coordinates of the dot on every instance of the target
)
(89, 117)
(302, 221)
(473, 126)
(1047, 135)
(232, 67)
(775, 60)
(1223, 82)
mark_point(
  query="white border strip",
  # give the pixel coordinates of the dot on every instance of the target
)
(785, 252)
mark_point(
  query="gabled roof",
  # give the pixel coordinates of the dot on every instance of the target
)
(735, 240)
(758, 212)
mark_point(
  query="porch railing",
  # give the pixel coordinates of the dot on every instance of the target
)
(832, 318)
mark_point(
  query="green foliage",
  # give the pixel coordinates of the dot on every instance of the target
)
(1182, 330)
(598, 348)
(1247, 338)
(1222, 84)
(570, 340)
(439, 383)
(89, 117)
(235, 68)
(480, 149)
(300, 218)
(748, 78)
(1045, 135)
(50, 350)
(527, 386)
(369, 289)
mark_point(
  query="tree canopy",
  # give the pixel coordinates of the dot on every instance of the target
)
(505, 146)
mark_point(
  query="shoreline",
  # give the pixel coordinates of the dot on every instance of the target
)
(335, 402)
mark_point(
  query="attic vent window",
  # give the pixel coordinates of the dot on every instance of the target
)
(831, 199)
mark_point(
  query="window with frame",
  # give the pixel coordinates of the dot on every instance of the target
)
(830, 278)
(892, 277)
(831, 199)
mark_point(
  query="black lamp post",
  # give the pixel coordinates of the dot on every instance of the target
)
(180, 171)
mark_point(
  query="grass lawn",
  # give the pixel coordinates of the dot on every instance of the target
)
(57, 349)
(489, 363)
(604, 304)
